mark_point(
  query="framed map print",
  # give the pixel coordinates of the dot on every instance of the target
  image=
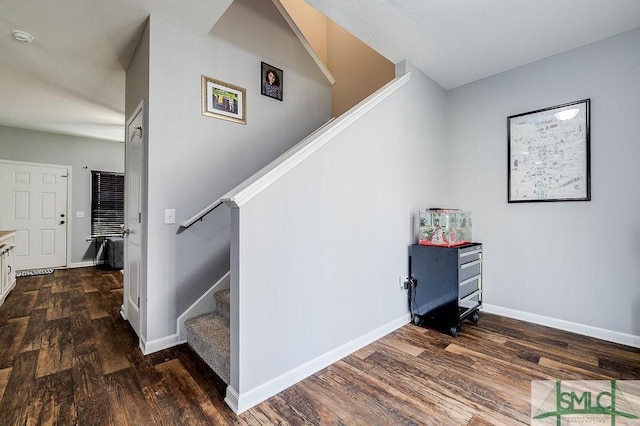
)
(549, 154)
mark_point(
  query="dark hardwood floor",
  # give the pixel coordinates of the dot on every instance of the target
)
(68, 358)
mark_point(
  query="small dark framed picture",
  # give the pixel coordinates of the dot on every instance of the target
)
(272, 81)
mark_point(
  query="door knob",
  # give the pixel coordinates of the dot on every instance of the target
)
(61, 222)
(61, 214)
(126, 232)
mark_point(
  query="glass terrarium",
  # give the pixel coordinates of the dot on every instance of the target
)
(444, 227)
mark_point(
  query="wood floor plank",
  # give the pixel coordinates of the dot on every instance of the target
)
(478, 420)
(127, 404)
(485, 393)
(87, 374)
(90, 395)
(192, 402)
(95, 411)
(4, 379)
(408, 375)
(398, 406)
(559, 354)
(201, 373)
(577, 372)
(51, 401)
(108, 343)
(18, 391)
(30, 283)
(82, 331)
(375, 402)
(60, 285)
(347, 410)
(276, 412)
(89, 285)
(161, 404)
(21, 304)
(36, 326)
(44, 295)
(11, 336)
(308, 409)
(111, 281)
(56, 351)
(68, 357)
(95, 305)
(77, 300)
(405, 347)
(58, 306)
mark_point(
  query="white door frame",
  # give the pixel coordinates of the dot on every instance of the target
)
(142, 275)
(69, 215)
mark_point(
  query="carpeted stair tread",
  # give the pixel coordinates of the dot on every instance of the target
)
(223, 301)
(208, 335)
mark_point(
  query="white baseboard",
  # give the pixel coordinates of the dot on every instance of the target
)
(231, 399)
(159, 344)
(240, 402)
(585, 330)
(81, 264)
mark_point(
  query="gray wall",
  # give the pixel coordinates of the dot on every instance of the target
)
(193, 159)
(322, 249)
(50, 148)
(573, 261)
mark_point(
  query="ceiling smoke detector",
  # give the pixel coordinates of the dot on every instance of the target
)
(22, 36)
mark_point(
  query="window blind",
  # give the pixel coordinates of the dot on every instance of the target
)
(107, 203)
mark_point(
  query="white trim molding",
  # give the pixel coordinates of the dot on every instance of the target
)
(85, 264)
(159, 344)
(304, 41)
(244, 192)
(240, 402)
(205, 303)
(574, 327)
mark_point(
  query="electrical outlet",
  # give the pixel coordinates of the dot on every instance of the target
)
(403, 279)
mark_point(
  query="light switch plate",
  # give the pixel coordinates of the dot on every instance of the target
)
(79, 214)
(169, 216)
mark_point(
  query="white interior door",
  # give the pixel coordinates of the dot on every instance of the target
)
(134, 150)
(33, 202)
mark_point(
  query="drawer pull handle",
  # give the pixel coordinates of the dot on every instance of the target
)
(470, 296)
(468, 280)
(469, 253)
(470, 264)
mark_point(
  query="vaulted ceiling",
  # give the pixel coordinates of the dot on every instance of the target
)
(71, 78)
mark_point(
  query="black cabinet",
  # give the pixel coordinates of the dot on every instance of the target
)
(446, 285)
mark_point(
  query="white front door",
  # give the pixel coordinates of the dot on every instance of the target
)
(33, 202)
(133, 217)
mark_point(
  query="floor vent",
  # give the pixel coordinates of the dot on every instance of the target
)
(29, 272)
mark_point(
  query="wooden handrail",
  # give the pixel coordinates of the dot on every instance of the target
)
(296, 154)
(201, 214)
(304, 149)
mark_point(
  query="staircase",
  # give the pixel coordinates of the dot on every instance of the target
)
(208, 336)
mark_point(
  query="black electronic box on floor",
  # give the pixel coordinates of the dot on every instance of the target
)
(445, 287)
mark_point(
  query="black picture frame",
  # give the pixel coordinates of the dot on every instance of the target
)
(272, 89)
(549, 154)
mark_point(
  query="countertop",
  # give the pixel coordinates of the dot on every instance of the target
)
(5, 234)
